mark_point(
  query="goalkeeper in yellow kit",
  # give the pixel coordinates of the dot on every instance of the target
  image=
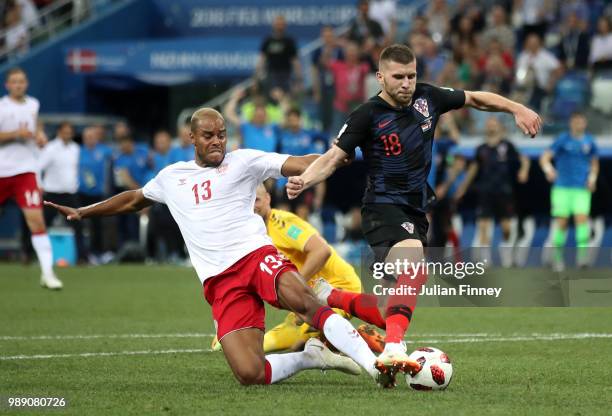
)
(315, 258)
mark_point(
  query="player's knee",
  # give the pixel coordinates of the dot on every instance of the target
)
(251, 375)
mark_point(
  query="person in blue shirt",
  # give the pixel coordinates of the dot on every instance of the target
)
(130, 171)
(297, 141)
(184, 151)
(574, 178)
(94, 181)
(164, 241)
(258, 133)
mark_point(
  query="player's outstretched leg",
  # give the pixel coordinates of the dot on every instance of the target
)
(399, 308)
(294, 295)
(361, 305)
(243, 351)
(42, 246)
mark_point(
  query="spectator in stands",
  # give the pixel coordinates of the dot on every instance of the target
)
(323, 78)
(433, 60)
(17, 36)
(276, 104)
(496, 68)
(94, 177)
(544, 66)
(471, 10)
(574, 44)
(364, 31)
(183, 151)
(295, 140)
(438, 18)
(130, 172)
(601, 45)
(385, 13)
(349, 81)
(164, 241)
(499, 29)
(29, 13)
(420, 25)
(533, 16)
(59, 166)
(279, 59)
(255, 134)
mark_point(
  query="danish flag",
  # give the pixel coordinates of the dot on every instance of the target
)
(81, 60)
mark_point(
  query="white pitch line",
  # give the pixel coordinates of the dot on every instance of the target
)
(102, 354)
(540, 337)
(537, 337)
(103, 336)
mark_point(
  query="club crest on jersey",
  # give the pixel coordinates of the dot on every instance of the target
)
(222, 168)
(182, 181)
(408, 226)
(421, 106)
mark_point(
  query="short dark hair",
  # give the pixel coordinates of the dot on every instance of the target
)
(397, 53)
(14, 70)
(294, 111)
(577, 113)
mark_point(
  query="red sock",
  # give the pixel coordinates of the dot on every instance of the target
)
(320, 316)
(361, 305)
(268, 372)
(397, 325)
(400, 308)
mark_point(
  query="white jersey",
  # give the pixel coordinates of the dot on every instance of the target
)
(59, 165)
(18, 156)
(213, 207)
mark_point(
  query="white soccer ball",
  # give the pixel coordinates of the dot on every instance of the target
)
(436, 371)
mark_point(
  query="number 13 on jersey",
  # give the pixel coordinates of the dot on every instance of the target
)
(202, 192)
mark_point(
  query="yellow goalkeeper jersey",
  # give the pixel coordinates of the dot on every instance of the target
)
(290, 234)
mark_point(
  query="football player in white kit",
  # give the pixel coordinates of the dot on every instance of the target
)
(212, 198)
(18, 166)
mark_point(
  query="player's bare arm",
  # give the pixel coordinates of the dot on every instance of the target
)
(123, 203)
(469, 178)
(317, 253)
(547, 167)
(593, 173)
(317, 172)
(296, 165)
(523, 172)
(526, 119)
(22, 133)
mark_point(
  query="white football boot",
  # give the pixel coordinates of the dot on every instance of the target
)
(327, 360)
(322, 289)
(50, 281)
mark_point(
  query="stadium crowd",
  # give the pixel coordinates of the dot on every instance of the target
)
(519, 49)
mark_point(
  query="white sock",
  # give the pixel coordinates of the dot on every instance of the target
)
(42, 246)
(345, 338)
(286, 365)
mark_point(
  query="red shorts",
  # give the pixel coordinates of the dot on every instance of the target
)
(237, 294)
(23, 188)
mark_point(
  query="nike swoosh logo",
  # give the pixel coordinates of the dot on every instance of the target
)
(383, 124)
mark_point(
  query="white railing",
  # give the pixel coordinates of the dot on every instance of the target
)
(53, 19)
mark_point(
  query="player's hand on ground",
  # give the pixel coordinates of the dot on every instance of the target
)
(528, 121)
(295, 186)
(71, 214)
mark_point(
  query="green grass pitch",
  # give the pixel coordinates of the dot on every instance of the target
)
(133, 340)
